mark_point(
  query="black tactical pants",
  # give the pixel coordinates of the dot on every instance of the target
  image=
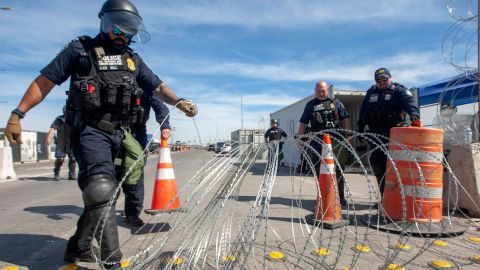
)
(95, 152)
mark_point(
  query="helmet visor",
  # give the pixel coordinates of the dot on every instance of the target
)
(128, 23)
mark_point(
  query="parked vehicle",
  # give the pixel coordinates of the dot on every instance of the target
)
(227, 147)
(218, 147)
(211, 147)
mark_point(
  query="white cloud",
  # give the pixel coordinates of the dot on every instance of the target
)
(411, 68)
(294, 13)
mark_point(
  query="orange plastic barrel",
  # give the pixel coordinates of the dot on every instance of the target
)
(423, 196)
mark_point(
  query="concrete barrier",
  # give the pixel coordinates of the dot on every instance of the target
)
(465, 163)
(6, 163)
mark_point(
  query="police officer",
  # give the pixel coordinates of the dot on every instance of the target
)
(324, 113)
(107, 81)
(134, 194)
(59, 125)
(383, 108)
(275, 133)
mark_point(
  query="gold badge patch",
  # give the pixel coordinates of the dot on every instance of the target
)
(130, 64)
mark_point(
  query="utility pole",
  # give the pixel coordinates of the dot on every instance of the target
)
(241, 110)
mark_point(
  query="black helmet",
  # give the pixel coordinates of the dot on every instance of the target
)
(274, 121)
(118, 5)
(123, 15)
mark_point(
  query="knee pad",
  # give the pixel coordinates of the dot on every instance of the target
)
(99, 190)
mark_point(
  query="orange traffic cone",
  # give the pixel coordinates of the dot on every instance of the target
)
(165, 197)
(327, 207)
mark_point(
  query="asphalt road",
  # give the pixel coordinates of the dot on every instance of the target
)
(39, 214)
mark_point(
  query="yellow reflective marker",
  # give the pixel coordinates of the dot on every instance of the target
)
(176, 261)
(229, 258)
(439, 264)
(362, 248)
(440, 243)
(11, 267)
(475, 240)
(403, 247)
(125, 263)
(475, 258)
(70, 266)
(344, 268)
(321, 251)
(394, 266)
(276, 255)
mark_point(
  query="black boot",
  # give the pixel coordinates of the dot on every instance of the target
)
(71, 169)
(56, 170)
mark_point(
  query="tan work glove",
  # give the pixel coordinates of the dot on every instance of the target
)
(13, 131)
(188, 107)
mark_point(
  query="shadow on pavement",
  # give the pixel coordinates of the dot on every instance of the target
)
(32, 250)
(305, 204)
(55, 212)
(145, 229)
(39, 178)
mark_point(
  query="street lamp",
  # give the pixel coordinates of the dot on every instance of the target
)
(5, 8)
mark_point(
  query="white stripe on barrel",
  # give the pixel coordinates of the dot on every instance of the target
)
(423, 192)
(420, 156)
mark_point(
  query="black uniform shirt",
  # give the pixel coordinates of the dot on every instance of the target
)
(67, 62)
(309, 109)
(401, 99)
(274, 134)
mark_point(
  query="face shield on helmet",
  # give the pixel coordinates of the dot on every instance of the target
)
(127, 22)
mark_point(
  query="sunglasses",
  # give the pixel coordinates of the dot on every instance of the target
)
(381, 80)
(119, 32)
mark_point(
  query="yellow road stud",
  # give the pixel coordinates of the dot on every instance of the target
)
(276, 255)
(125, 263)
(403, 247)
(475, 258)
(475, 240)
(176, 261)
(362, 248)
(394, 266)
(321, 251)
(439, 264)
(229, 258)
(11, 267)
(440, 243)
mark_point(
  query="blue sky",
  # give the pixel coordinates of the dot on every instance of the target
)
(213, 52)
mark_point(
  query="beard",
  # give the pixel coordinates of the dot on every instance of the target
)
(116, 45)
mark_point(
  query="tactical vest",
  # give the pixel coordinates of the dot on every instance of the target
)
(383, 109)
(324, 116)
(275, 134)
(108, 96)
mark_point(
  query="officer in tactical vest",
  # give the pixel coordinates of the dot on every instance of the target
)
(107, 81)
(275, 133)
(324, 113)
(62, 148)
(135, 193)
(384, 107)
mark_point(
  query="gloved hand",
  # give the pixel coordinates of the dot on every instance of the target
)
(13, 131)
(188, 107)
(416, 121)
(165, 133)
